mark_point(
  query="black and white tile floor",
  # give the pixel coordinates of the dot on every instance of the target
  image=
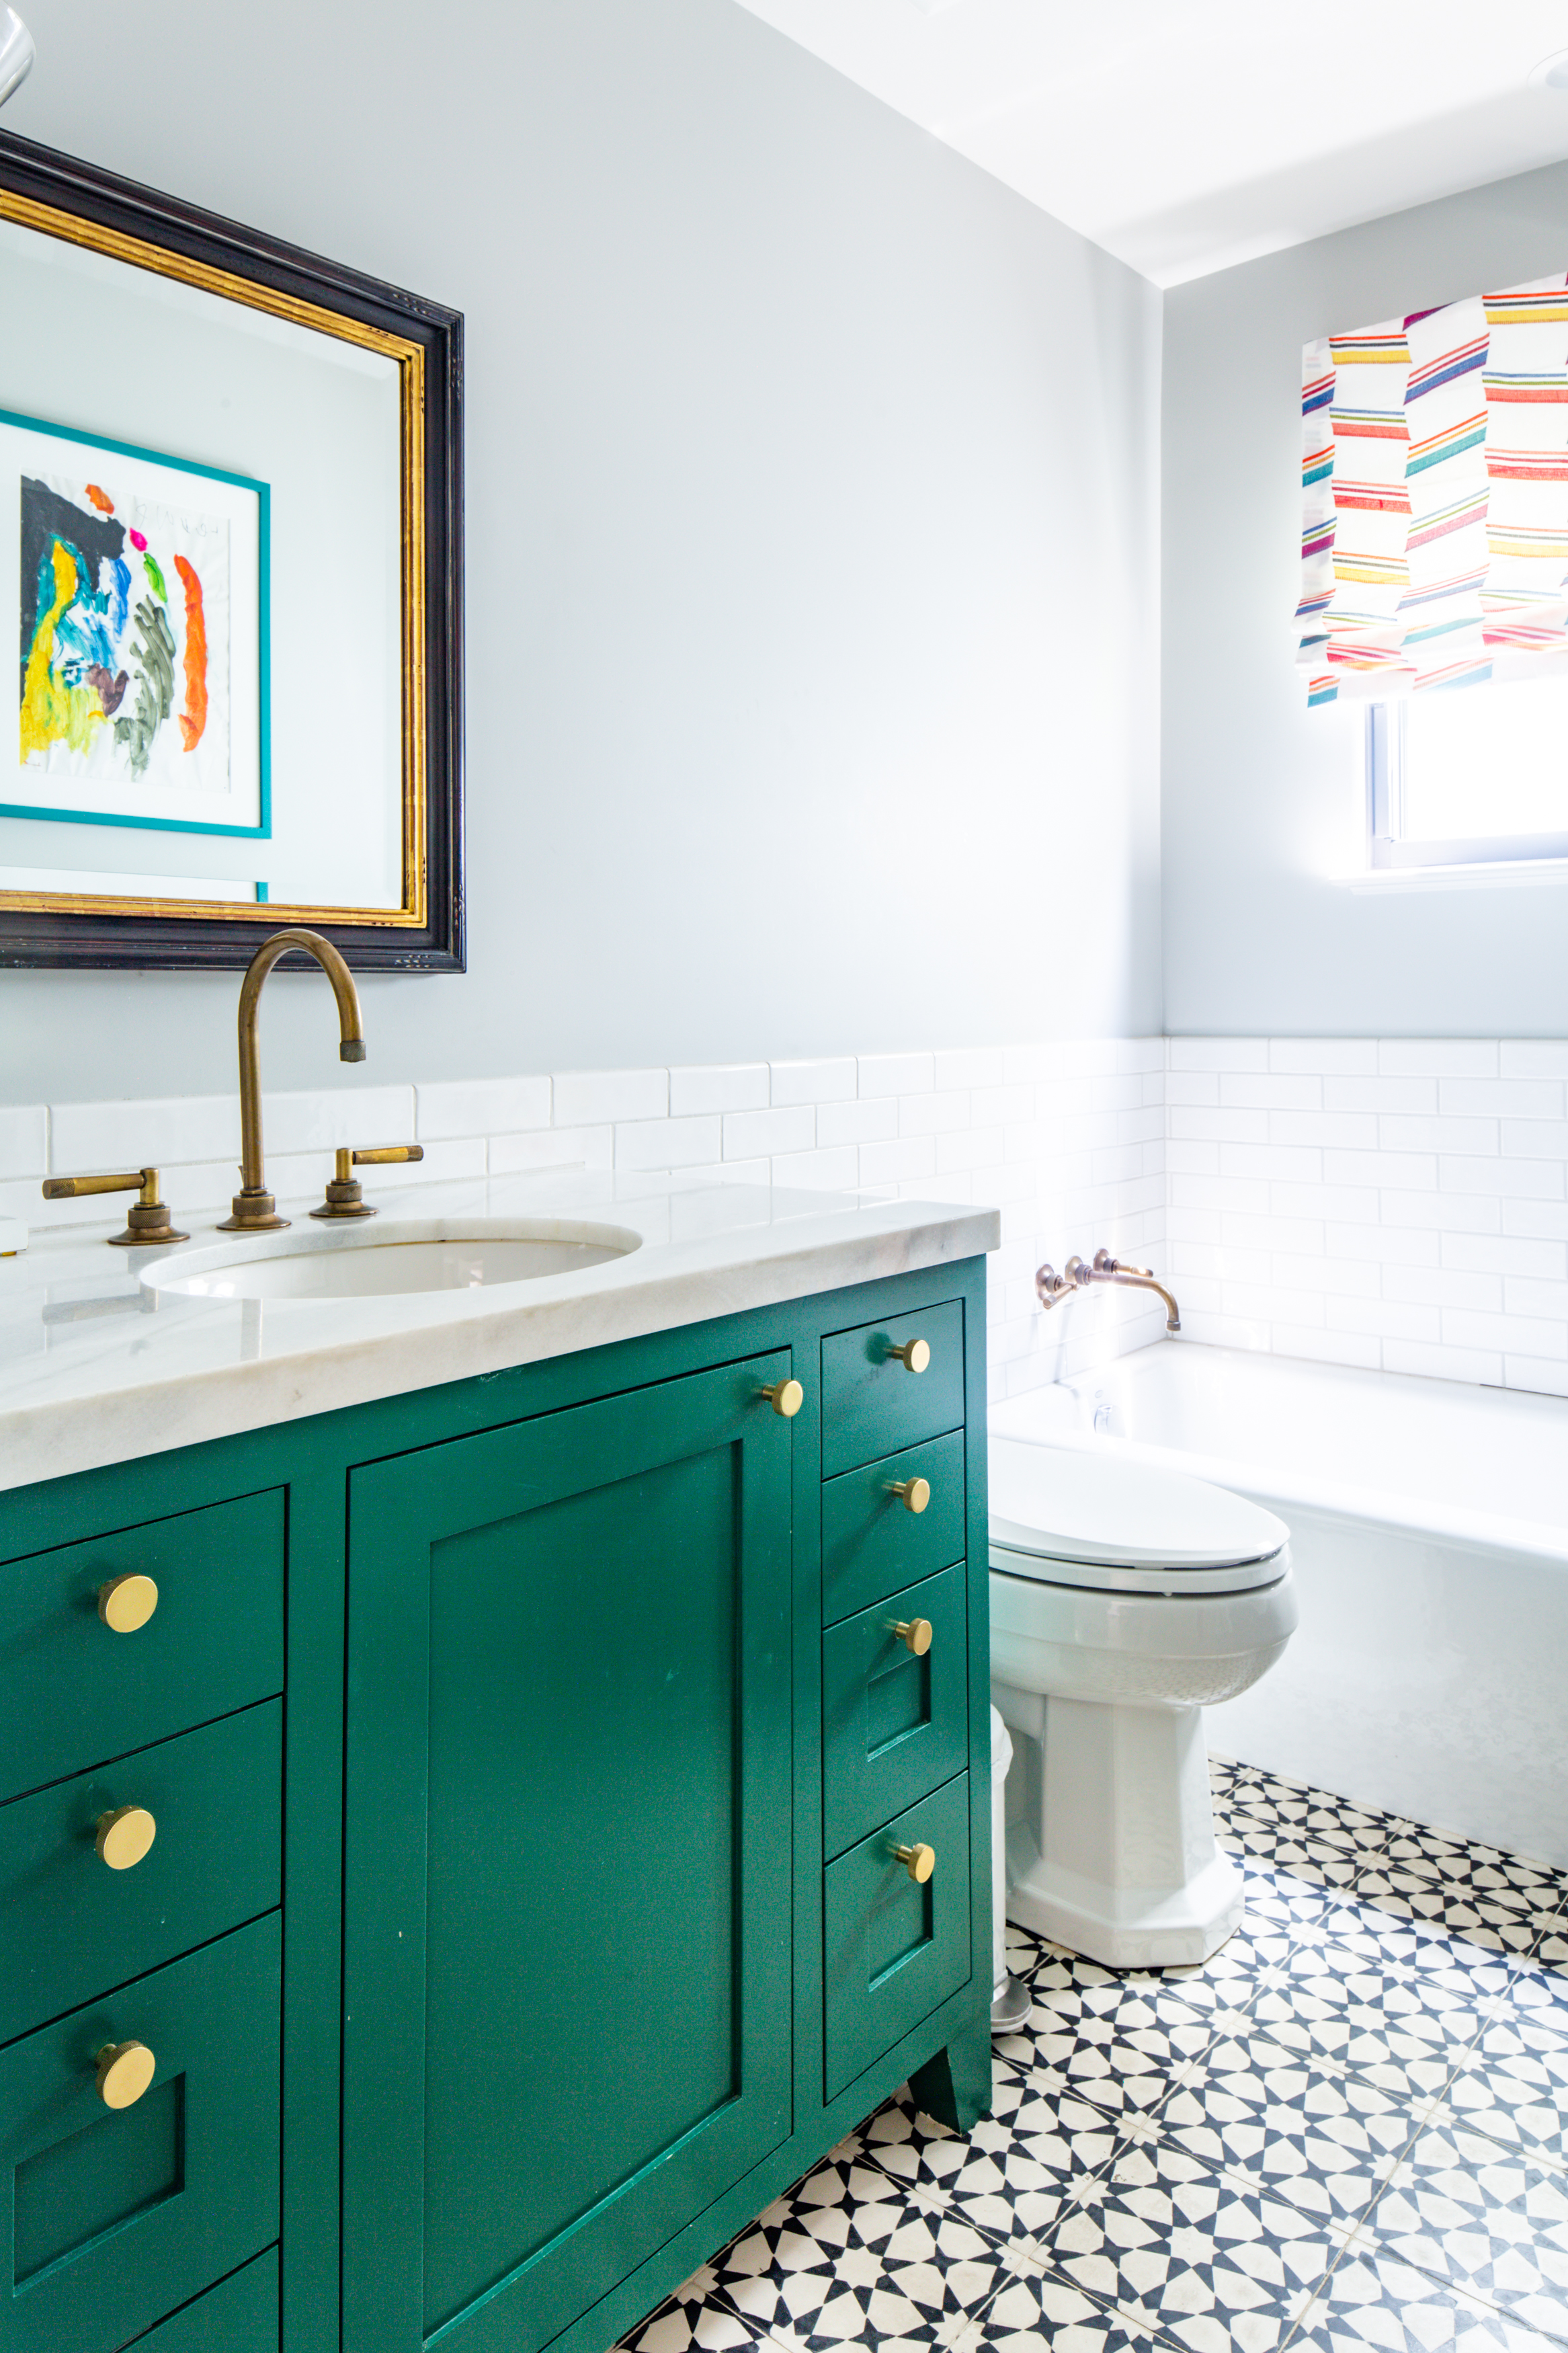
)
(1349, 2130)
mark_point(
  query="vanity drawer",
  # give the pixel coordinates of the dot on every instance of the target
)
(872, 1543)
(872, 1403)
(121, 2215)
(240, 2316)
(73, 1691)
(894, 1949)
(894, 1724)
(74, 1925)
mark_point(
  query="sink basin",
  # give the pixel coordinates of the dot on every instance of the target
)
(327, 1264)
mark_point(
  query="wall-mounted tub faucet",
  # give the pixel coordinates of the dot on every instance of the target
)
(1051, 1288)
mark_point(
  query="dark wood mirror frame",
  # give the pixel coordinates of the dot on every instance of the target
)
(95, 209)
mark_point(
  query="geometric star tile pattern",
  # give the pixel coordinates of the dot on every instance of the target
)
(1346, 2133)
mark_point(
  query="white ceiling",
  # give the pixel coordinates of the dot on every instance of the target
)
(1189, 134)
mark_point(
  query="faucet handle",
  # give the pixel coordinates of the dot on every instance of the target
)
(345, 1195)
(146, 1221)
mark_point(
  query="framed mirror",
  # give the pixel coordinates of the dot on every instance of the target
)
(231, 519)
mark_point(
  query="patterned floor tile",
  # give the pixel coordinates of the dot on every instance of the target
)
(1211, 2262)
(1489, 2220)
(1084, 2009)
(1010, 2177)
(1373, 2009)
(1373, 2302)
(1049, 2315)
(1500, 1922)
(694, 2315)
(1315, 2134)
(1513, 2085)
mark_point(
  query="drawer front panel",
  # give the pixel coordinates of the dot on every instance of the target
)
(872, 1543)
(72, 1691)
(240, 2316)
(895, 1725)
(121, 2215)
(894, 1950)
(74, 1926)
(871, 1402)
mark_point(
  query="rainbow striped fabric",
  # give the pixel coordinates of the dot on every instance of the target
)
(1435, 489)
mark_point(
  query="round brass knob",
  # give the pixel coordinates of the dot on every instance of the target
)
(915, 1353)
(920, 1862)
(124, 2072)
(913, 1494)
(126, 1603)
(786, 1398)
(915, 1635)
(124, 1836)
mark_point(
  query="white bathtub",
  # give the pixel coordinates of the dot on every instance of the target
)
(1430, 1522)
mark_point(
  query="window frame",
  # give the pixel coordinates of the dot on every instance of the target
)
(1386, 770)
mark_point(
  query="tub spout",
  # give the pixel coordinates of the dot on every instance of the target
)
(1051, 1287)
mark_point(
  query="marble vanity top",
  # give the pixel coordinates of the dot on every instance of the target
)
(95, 1368)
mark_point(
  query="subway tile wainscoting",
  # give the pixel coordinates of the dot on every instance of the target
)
(1066, 1140)
(1400, 1205)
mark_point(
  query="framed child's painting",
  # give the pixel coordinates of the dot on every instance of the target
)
(231, 522)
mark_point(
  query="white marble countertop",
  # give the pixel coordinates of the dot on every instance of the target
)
(95, 1368)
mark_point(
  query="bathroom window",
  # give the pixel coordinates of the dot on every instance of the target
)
(1470, 777)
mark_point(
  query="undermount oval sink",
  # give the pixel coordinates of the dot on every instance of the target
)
(357, 1265)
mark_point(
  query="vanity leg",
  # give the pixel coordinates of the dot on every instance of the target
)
(955, 2085)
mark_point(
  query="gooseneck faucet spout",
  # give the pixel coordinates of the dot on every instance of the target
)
(1051, 1287)
(254, 1209)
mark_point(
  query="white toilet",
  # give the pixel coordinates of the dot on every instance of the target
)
(1125, 1601)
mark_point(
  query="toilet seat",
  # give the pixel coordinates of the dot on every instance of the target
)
(1065, 1516)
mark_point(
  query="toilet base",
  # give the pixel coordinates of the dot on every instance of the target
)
(1111, 1843)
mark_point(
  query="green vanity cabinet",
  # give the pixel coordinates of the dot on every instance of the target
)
(530, 1765)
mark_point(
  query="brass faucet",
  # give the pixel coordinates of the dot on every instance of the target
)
(255, 1211)
(1051, 1287)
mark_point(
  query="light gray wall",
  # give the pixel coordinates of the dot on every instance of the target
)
(1261, 801)
(811, 509)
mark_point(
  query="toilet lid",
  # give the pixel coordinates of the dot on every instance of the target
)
(1058, 1503)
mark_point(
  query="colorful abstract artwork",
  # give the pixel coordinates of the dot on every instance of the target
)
(124, 611)
(141, 623)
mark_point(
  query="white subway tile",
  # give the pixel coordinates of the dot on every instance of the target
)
(1304, 1236)
(705, 1087)
(905, 1156)
(812, 1082)
(1328, 1347)
(1528, 1295)
(1539, 1220)
(1349, 1278)
(971, 1066)
(1192, 1123)
(1352, 1204)
(1400, 1133)
(1183, 1160)
(1442, 1363)
(1535, 1057)
(834, 1171)
(24, 1142)
(1324, 1056)
(1215, 1192)
(1199, 1087)
(1535, 1139)
(1223, 1262)
(1539, 1180)
(1219, 1054)
(1270, 1301)
(749, 1134)
(990, 1105)
(934, 1113)
(1343, 1130)
(1501, 1098)
(1526, 1334)
(589, 1098)
(1213, 1331)
(1437, 1058)
(650, 1144)
(972, 1147)
(1267, 1091)
(321, 1119)
(1391, 1319)
(1414, 1096)
(1500, 1254)
(447, 1160)
(1443, 1286)
(1276, 1163)
(1385, 1245)
(553, 1147)
(1534, 1373)
(1475, 1213)
(896, 1074)
(867, 1123)
(445, 1107)
(94, 1139)
(1411, 1170)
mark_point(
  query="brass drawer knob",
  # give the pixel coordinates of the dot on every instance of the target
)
(915, 1633)
(124, 1836)
(914, 1353)
(124, 2072)
(920, 1862)
(786, 1398)
(913, 1494)
(126, 1603)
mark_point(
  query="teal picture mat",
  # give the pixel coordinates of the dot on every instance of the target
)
(262, 832)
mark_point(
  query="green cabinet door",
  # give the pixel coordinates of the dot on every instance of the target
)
(567, 1854)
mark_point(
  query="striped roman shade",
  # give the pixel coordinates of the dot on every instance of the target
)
(1434, 480)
